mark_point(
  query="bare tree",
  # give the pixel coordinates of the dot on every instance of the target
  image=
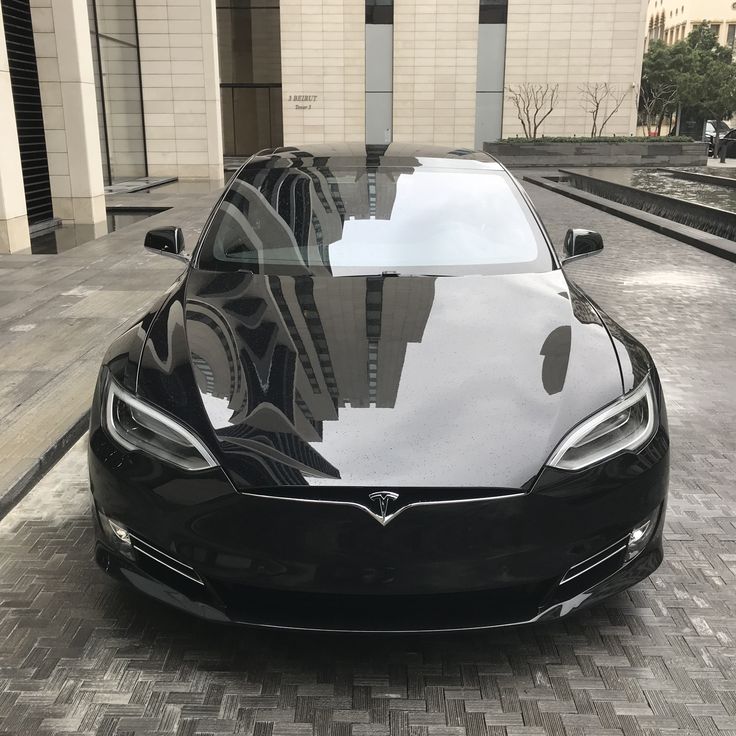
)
(654, 102)
(534, 103)
(602, 101)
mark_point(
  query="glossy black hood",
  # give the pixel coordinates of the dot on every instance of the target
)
(380, 381)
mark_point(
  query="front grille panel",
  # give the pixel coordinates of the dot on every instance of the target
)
(345, 612)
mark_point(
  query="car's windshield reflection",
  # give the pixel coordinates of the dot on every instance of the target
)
(402, 216)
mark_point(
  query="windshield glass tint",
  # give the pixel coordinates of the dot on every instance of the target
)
(430, 219)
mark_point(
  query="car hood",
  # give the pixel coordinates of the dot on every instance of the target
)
(380, 381)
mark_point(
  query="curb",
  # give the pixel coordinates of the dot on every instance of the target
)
(20, 488)
(704, 241)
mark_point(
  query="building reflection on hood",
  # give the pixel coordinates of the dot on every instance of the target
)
(278, 352)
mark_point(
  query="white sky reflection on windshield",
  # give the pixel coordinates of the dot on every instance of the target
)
(441, 219)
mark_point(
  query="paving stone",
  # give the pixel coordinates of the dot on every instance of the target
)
(16, 387)
(81, 654)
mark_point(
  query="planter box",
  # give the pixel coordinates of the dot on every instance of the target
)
(531, 155)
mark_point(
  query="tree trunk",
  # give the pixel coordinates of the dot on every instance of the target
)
(679, 116)
(659, 124)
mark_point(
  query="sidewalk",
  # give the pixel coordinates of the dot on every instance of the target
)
(716, 164)
(58, 313)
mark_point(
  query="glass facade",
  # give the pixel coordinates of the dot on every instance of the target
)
(493, 11)
(491, 71)
(21, 60)
(379, 71)
(379, 12)
(249, 39)
(114, 32)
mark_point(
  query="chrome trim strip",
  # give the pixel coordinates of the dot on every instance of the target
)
(588, 560)
(389, 517)
(161, 562)
(159, 551)
(590, 567)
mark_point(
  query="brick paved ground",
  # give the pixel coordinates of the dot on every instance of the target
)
(80, 654)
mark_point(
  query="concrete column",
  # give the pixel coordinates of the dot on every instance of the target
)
(13, 220)
(181, 88)
(66, 76)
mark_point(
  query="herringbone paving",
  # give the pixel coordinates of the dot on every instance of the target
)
(80, 654)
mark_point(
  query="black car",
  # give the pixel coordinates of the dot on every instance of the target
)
(727, 141)
(724, 133)
(374, 401)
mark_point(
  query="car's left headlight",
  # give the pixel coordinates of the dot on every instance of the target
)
(136, 425)
(627, 424)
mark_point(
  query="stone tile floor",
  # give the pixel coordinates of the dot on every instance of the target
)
(79, 654)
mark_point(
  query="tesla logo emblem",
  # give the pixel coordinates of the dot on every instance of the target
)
(382, 501)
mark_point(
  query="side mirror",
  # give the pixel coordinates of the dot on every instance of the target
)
(166, 240)
(580, 243)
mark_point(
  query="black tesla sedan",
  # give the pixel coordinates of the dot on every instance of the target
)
(374, 401)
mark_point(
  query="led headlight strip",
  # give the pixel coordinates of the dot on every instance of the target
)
(627, 424)
(136, 425)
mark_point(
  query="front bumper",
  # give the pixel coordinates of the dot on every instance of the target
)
(365, 614)
(204, 548)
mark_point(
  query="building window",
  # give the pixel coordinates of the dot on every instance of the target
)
(379, 12)
(25, 88)
(494, 11)
(249, 44)
(731, 38)
(716, 28)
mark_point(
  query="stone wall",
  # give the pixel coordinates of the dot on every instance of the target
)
(573, 44)
(530, 155)
(323, 71)
(435, 60)
(181, 88)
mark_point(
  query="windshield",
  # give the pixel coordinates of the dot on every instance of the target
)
(437, 219)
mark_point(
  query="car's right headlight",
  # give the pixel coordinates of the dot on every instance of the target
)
(136, 425)
(627, 424)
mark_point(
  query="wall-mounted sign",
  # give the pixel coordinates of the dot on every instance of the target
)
(303, 102)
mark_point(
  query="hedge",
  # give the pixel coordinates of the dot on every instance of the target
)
(606, 139)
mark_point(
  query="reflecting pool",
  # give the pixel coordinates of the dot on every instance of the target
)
(663, 182)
